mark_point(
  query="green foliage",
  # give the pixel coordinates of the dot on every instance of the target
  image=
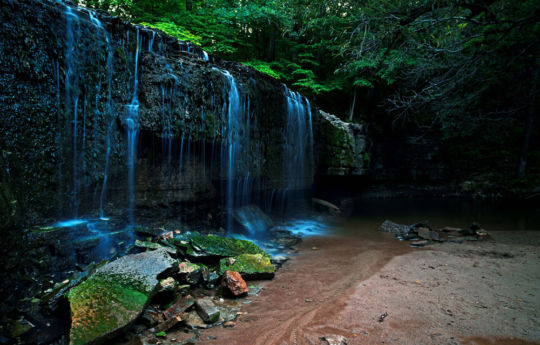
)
(263, 67)
(175, 30)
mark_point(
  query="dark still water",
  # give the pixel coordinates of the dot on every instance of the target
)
(491, 215)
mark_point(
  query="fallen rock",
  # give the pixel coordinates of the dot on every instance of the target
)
(213, 246)
(193, 320)
(153, 246)
(420, 243)
(168, 324)
(167, 286)
(207, 310)
(229, 324)
(234, 284)
(250, 266)
(189, 272)
(394, 228)
(451, 229)
(181, 305)
(423, 233)
(334, 339)
(481, 233)
(115, 295)
(428, 234)
(146, 231)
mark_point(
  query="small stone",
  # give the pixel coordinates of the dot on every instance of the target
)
(229, 324)
(451, 229)
(420, 243)
(234, 283)
(166, 235)
(394, 228)
(168, 285)
(207, 310)
(193, 320)
(334, 339)
(314, 248)
(481, 233)
(308, 300)
(424, 233)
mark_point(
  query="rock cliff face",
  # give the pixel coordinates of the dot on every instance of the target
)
(346, 151)
(98, 115)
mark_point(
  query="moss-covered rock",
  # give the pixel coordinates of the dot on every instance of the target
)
(250, 266)
(114, 296)
(205, 246)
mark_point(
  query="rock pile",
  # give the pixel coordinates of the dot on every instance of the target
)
(421, 234)
(171, 279)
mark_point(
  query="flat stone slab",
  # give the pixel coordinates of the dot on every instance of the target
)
(114, 296)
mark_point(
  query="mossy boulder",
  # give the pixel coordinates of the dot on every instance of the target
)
(207, 246)
(114, 296)
(250, 266)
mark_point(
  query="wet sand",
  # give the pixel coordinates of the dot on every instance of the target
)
(473, 293)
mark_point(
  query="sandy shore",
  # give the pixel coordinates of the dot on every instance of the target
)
(471, 293)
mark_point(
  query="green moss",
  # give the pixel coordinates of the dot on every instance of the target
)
(222, 246)
(247, 265)
(102, 304)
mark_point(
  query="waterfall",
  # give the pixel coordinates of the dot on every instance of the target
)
(72, 96)
(298, 143)
(205, 56)
(233, 116)
(151, 44)
(131, 121)
(109, 116)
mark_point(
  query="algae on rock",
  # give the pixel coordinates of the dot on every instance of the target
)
(250, 266)
(115, 295)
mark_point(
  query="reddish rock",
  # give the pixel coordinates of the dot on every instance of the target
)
(234, 283)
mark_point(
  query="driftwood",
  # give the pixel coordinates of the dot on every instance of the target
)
(331, 207)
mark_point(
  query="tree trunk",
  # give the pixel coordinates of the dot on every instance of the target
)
(272, 48)
(353, 105)
(529, 125)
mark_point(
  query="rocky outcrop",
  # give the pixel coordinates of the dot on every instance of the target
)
(344, 147)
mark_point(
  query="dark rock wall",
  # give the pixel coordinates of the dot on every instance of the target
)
(57, 120)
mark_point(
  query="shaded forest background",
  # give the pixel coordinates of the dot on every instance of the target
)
(462, 71)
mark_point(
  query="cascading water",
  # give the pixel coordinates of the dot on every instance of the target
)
(233, 116)
(151, 44)
(298, 144)
(132, 127)
(109, 117)
(72, 91)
